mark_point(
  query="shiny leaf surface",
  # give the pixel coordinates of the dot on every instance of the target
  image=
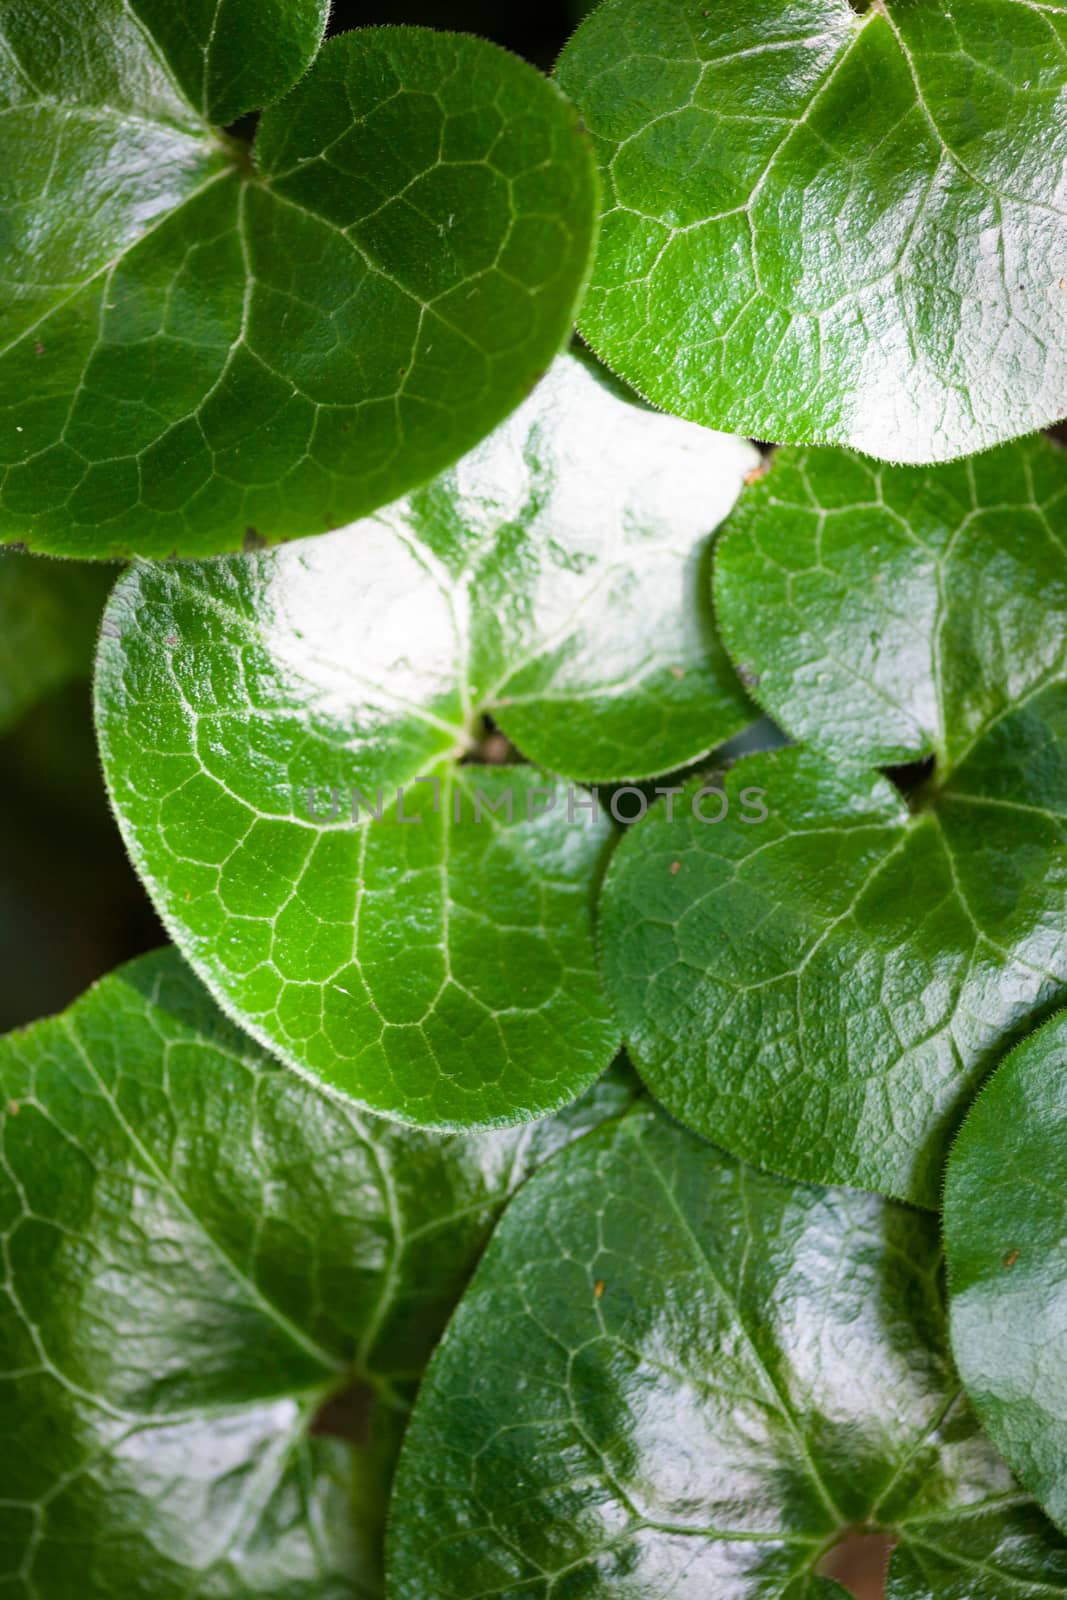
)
(203, 346)
(823, 992)
(1006, 1241)
(674, 1376)
(220, 1290)
(49, 615)
(821, 226)
(442, 970)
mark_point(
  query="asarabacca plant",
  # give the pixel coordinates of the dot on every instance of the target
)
(344, 1254)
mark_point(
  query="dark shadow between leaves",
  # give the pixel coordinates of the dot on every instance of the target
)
(347, 1415)
(916, 782)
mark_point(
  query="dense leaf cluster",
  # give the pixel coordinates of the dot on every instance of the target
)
(343, 1253)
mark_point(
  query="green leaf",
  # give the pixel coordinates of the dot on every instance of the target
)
(209, 1270)
(229, 56)
(1005, 1239)
(441, 972)
(49, 615)
(202, 345)
(826, 227)
(823, 991)
(674, 1376)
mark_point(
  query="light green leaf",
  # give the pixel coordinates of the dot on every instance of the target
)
(443, 971)
(49, 615)
(823, 991)
(674, 1376)
(828, 227)
(209, 1270)
(202, 345)
(1005, 1238)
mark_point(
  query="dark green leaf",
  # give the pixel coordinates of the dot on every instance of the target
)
(229, 56)
(442, 972)
(49, 615)
(823, 991)
(210, 1269)
(201, 345)
(672, 1376)
(821, 226)
(1006, 1239)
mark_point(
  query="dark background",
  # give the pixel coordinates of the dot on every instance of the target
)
(536, 30)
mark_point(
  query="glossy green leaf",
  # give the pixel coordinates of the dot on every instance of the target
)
(439, 970)
(49, 616)
(203, 346)
(823, 991)
(1006, 1240)
(821, 226)
(220, 1290)
(672, 1376)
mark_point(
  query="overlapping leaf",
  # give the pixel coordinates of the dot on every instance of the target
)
(1006, 1241)
(822, 993)
(202, 345)
(674, 1376)
(821, 226)
(220, 1290)
(49, 615)
(435, 961)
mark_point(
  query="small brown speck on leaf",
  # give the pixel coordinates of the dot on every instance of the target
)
(172, 638)
(676, 867)
(253, 540)
(12, 1108)
(1063, 284)
(598, 1288)
(1011, 1258)
(39, 348)
(755, 474)
(677, 672)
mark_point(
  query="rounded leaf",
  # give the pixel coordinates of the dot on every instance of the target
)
(205, 347)
(826, 227)
(812, 967)
(220, 1291)
(284, 739)
(674, 1376)
(1005, 1240)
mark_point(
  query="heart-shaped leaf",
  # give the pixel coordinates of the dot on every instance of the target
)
(220, 1290)
(823, 992)
(49, 616)
(821, 226)
(674, 1376)
(250, 710)
(1006, 1241)
(203, 345)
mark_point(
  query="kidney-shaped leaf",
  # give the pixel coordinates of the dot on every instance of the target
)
(435, 961)
(220, 1290)
(821, 226)
(674, 1376)
(49, 616)
(1006, 1240)
(823, 991)
(203, 345)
